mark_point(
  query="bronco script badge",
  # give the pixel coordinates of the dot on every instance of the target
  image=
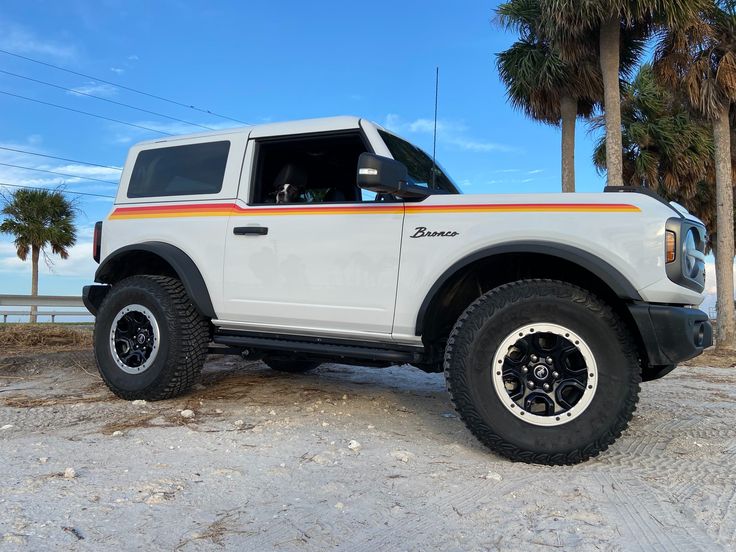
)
(422, 232)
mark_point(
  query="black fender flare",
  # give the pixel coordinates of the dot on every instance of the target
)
(595, 265)
(182, 264)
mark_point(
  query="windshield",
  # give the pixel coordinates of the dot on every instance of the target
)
(419, 164)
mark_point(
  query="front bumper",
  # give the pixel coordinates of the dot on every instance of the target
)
(671, 335)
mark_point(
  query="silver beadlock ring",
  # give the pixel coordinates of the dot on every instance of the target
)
(134, 339)
(531, 374)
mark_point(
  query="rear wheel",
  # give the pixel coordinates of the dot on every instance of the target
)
(150, 342)
(543, 371)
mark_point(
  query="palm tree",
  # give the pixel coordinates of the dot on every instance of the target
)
(39, 219)
(700, 59)
(568, 20)
(541, 84)
(665, 147)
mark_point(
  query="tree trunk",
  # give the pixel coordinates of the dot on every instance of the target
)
(724, 228)
(610, 45)
(35, 254)
(569, 111)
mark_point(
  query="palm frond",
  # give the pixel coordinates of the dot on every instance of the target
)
(39, 218)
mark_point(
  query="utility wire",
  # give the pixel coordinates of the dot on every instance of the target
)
(62, 191)
(124, 87)
(58, 173)
(60, 158)
(72, 90)
(84, 112)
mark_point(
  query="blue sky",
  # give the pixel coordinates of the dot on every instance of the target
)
(259, 61)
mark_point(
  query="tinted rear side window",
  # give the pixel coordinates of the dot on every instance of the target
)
(179, 170)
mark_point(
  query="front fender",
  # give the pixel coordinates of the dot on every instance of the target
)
(593, 264)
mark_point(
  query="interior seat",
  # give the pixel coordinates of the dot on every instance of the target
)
(293, 174)
(335, 195)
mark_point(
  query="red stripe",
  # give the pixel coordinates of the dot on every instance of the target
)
(185, 207)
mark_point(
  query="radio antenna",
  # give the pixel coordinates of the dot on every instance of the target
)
(434, 139)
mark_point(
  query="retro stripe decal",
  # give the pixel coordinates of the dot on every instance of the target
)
(525, 207)
(232, 209)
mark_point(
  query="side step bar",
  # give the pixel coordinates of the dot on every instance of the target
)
(404, 355)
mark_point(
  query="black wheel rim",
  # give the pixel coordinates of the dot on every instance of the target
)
(545, 374)
(134, 339)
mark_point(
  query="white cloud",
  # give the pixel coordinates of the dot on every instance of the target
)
(80, 262)
(709, 302)
(95, 89)
(117, 70)
(78, 180)
(453, 133)
(710, 277)
(477, 146)
(20, 40)
(122, 135)
(103, 173)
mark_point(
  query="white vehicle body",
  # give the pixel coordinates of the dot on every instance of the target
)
(333, 240)
(356, 270)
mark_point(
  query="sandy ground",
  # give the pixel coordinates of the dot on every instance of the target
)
(344, 458)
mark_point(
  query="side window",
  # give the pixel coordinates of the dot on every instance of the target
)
(315, 169)
(368, 195)
(192, 169)
(422, 170)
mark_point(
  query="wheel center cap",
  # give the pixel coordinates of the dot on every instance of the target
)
(140, 338)
(541, 372)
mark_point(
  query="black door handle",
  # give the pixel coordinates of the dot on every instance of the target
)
(257, 230)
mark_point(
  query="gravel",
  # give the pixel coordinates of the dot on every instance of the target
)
(344, 458)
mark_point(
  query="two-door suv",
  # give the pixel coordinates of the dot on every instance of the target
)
(334, 240)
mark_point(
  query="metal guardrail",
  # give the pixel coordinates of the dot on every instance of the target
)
(53, 301)
(40, 301)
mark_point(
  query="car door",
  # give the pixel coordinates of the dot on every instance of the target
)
(311, 267)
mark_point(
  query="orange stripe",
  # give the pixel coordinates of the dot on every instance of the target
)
(231, 209)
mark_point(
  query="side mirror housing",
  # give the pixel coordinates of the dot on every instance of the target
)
(386, 176)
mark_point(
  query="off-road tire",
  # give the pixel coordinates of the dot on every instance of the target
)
(294, 366)
(184, 338)
(476, 338)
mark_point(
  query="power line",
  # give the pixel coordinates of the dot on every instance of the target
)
(60, 158)
(83, 112)
(58, 173)
(124, 87)
(104, 99)
(62, 191)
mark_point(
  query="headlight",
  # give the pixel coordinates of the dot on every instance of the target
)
(694, 259)
(685, 253)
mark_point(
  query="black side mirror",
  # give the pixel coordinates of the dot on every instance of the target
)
(386, 176)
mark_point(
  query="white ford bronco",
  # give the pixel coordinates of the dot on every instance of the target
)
(334, 240)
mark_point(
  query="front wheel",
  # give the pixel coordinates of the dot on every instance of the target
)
(149, 342)
(543, 371)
